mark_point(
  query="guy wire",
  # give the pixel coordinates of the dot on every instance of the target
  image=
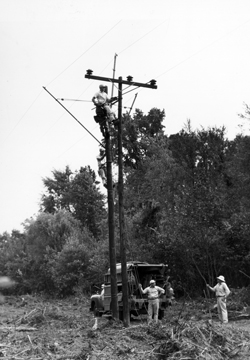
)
(73, 116)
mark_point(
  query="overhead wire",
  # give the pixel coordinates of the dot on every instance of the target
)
(202, 49)
(96, 42)
(168, 20)
(197, 52)
(18, 122)
(141, 37)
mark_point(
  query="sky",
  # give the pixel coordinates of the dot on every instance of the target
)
(197, 51)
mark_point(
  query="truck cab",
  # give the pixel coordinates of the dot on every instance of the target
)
(137, 273)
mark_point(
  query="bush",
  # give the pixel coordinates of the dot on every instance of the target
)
(69, 267)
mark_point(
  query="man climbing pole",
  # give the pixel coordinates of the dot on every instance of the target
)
(102, 99)
(102, 172)
(104, 114)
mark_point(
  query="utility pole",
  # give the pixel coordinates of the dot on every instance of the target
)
(126, 315)
(111, 222)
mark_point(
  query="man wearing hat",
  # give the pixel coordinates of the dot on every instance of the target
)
(221, 292)
(153, 293)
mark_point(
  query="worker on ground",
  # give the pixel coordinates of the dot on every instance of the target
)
(153, 292)
(102, 292)
(221, 292)
(101, 98)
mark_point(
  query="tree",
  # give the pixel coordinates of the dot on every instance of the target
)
(76, 193)
(137, 132)
(178, 195)
(50, 230)
(69, 267)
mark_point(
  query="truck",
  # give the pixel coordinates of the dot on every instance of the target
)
(137, 273)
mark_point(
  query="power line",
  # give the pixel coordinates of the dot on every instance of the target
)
(84, 53)
(141, 37)
(33, 102)
(202, 49)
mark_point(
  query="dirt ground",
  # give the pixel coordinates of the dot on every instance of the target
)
(38, 328)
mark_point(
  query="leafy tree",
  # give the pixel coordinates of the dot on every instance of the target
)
(76, 193)
(237, 227)
(59, 250)
(50, 230)
(137, 132)
(69, 267)
(13, 258)
(57, 188)
(178, 194)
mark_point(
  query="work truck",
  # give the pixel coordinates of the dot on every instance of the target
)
(137, 273)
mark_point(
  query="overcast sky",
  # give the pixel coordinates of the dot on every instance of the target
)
(197, 50)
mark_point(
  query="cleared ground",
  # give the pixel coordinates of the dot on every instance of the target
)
(39, 328)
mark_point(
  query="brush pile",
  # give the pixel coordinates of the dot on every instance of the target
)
(188, 340)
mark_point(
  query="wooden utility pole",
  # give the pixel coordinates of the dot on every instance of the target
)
(126, 315)
(112, 247)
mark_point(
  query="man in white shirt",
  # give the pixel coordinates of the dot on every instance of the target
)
(221, 292)
(102, 292)
(101, 98)
(153, 293)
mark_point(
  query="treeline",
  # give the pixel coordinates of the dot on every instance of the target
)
(187, 204)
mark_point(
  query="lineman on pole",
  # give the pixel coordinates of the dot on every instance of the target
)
(102, 99)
